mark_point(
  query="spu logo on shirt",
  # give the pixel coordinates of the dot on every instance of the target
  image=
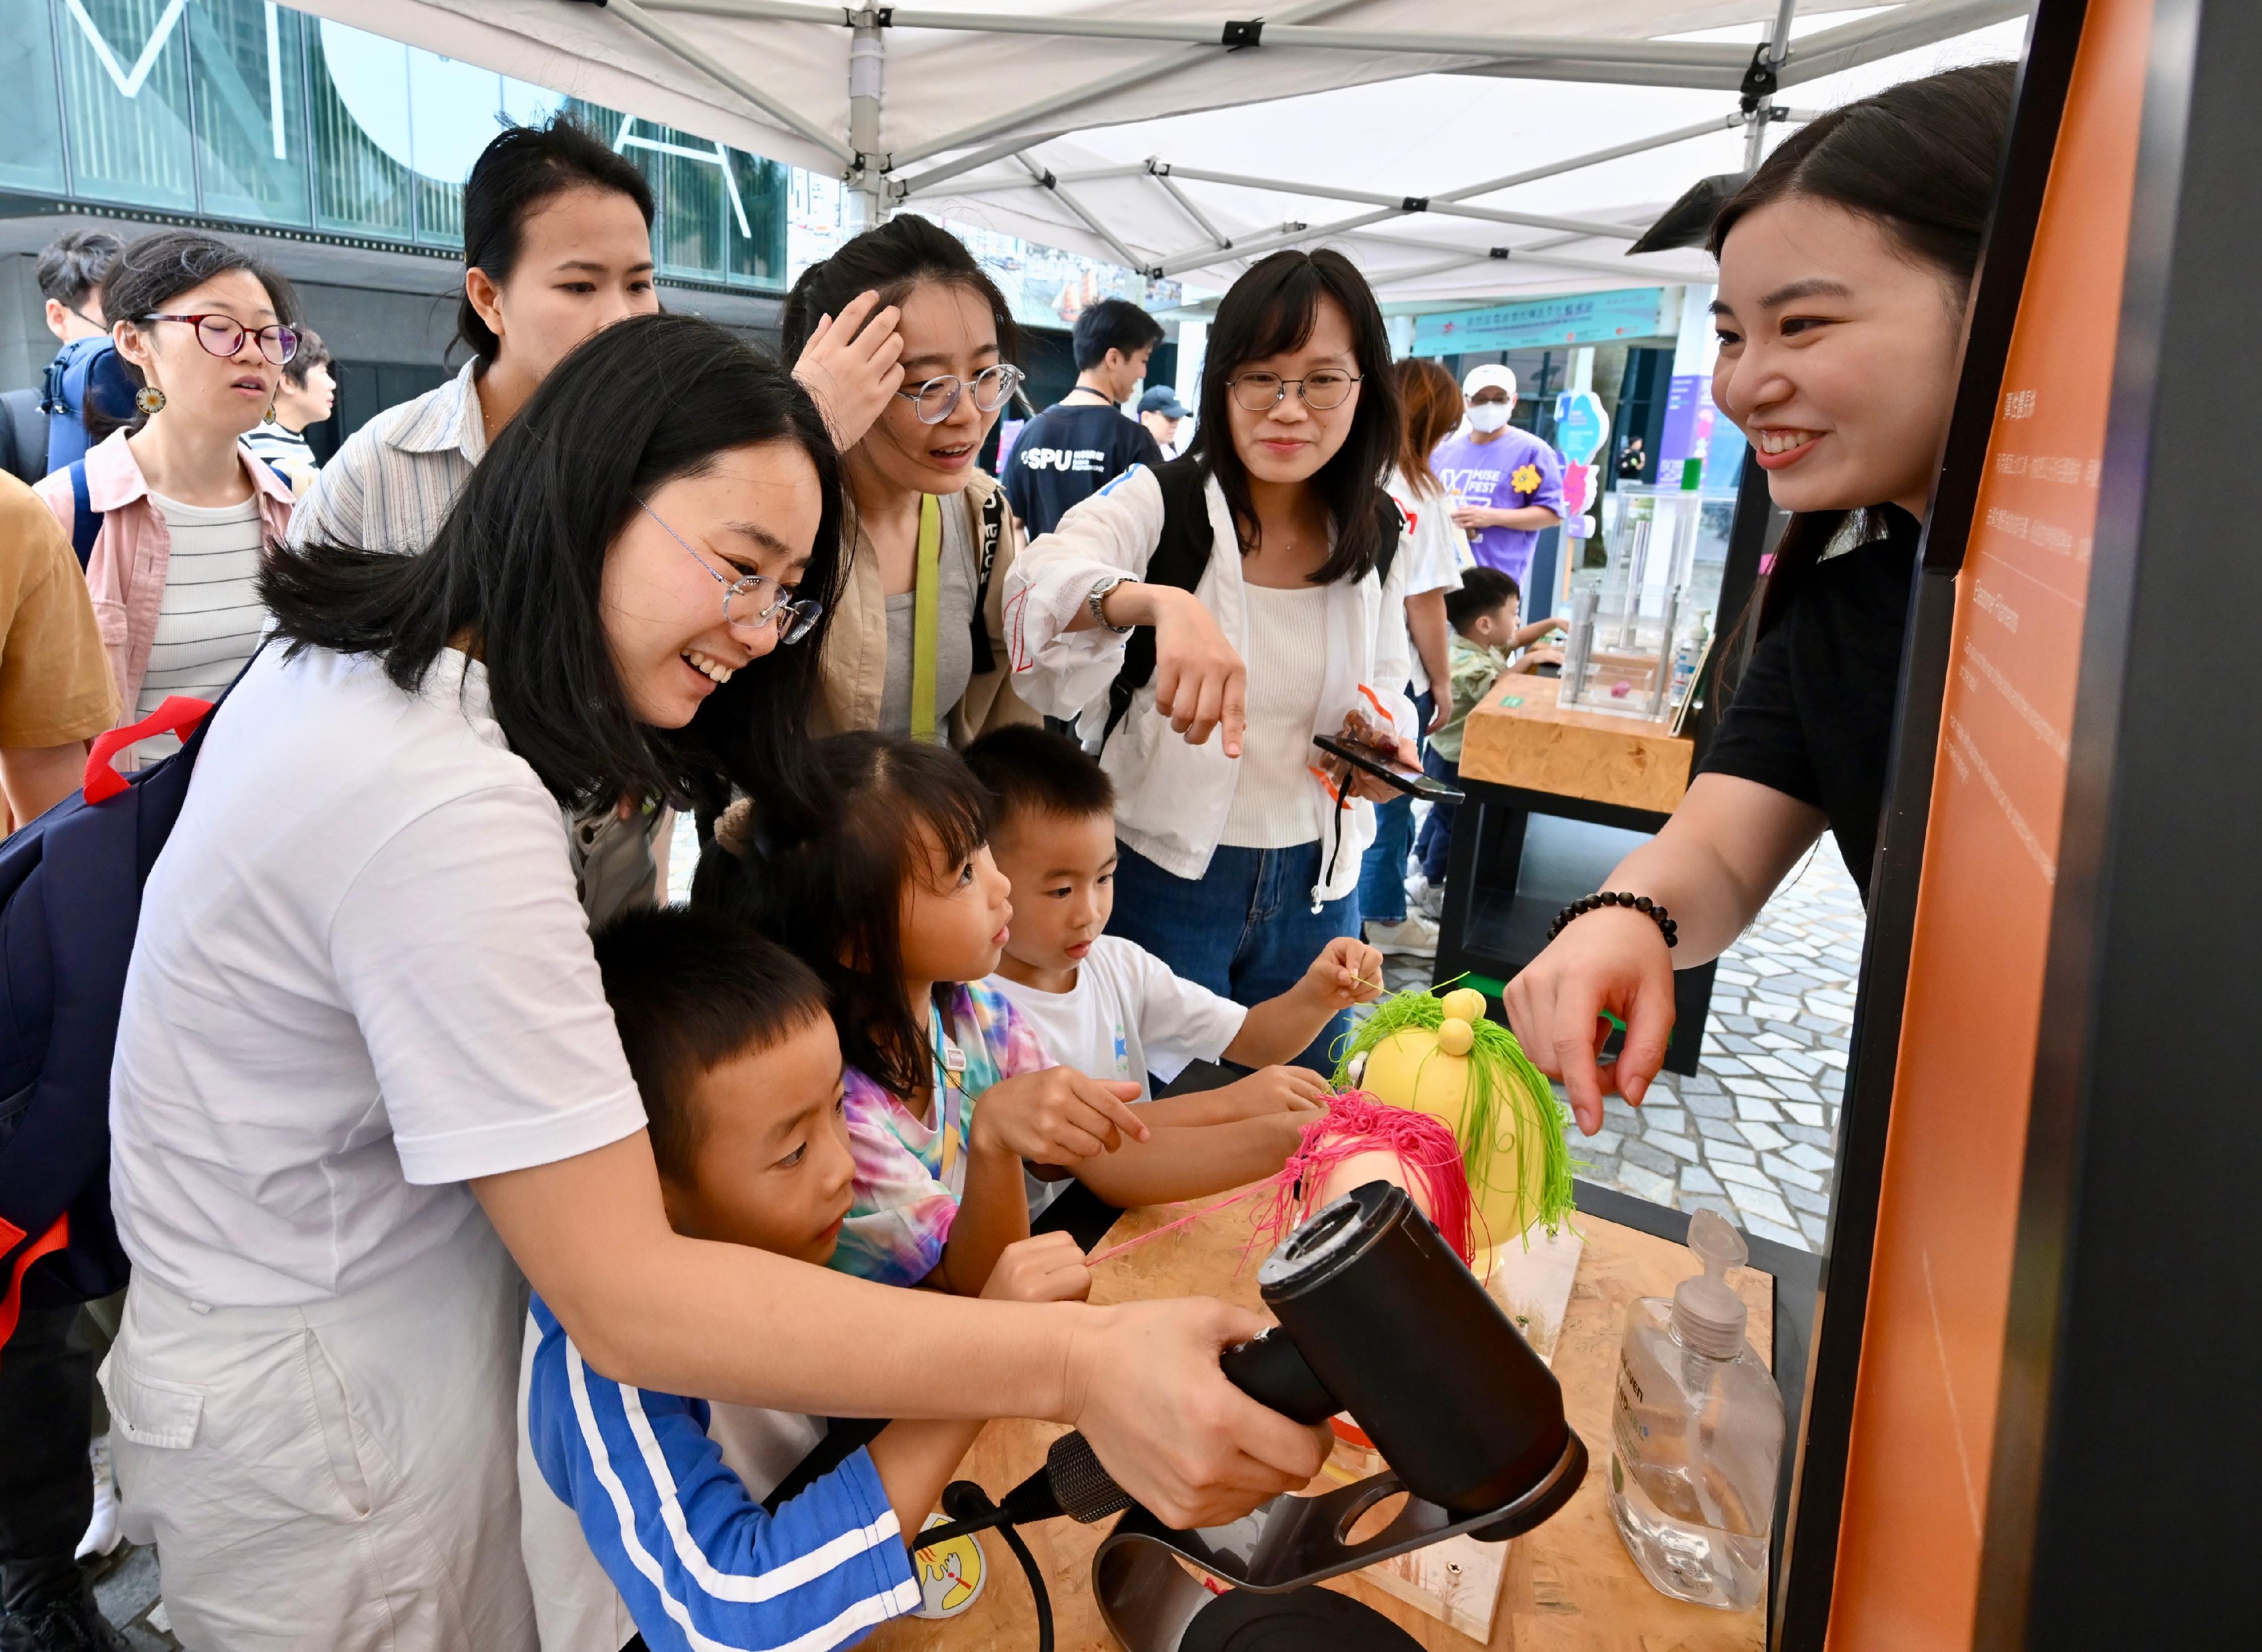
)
(1064, 459)
(1525, 478)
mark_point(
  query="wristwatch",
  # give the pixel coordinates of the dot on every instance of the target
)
(1097, 601)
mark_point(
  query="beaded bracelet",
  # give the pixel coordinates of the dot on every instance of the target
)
(1587, 903)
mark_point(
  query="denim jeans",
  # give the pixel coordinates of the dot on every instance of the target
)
(1244, 928)
(1435, 846)
(1382, 876)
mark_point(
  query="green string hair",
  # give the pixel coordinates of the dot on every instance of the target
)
(1500, 1075)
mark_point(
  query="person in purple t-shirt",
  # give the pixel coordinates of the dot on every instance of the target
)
(1507, 483)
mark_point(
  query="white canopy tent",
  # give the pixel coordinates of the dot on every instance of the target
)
(1186, 144)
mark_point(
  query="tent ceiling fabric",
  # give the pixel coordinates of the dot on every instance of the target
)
(1381, 123)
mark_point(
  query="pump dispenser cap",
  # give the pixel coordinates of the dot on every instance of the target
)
(1707, 1313)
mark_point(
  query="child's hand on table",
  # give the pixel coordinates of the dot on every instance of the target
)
(1049, 1267)
(1056, 1116)
(1278, 1089)
(1347, 972)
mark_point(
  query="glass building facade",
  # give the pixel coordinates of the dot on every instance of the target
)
(247, 112)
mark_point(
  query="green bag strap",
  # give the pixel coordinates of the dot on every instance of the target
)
(926, 608)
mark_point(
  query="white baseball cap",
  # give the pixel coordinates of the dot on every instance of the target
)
(1485, 377)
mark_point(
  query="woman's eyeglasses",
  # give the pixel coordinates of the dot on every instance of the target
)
(938, 397)
(742, 611)
(223, 336)
(1262, 392)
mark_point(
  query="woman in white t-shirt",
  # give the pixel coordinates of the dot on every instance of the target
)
(366, 1074)
(1241, 857)
(186, 509)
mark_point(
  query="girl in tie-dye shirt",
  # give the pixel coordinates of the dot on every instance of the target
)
(896, 903)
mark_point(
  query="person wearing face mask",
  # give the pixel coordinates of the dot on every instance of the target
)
(917, 648)
(1506, 484)
(368, 1088)
(1253, 591)
(1846, 263)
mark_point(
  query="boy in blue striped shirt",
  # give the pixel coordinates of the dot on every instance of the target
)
(644, 1511)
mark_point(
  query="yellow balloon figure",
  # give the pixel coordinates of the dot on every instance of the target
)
(1443, 1057)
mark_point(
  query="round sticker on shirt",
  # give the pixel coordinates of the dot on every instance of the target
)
(950, 1575)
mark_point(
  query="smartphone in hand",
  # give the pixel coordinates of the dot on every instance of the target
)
(1386, 767)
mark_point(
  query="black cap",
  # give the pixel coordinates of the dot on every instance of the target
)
(1163, 400)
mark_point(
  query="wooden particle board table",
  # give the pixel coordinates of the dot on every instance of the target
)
(1555, 797)
(1569, 1585)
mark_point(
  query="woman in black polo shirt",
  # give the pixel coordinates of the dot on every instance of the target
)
(1846, 264)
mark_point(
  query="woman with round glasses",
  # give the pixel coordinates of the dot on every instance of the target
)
(918, 646)
(186, 509)
(1240, 854)
(368, 1085)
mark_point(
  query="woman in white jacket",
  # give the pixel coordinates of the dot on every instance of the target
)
(1240, 856)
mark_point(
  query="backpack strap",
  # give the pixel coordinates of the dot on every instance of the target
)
(1180, 559)
(991, 533)
(86, 521)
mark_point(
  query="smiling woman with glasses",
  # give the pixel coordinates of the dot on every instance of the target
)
(205, 329)
(918, 644)
(1278, 614)
(369, 1087)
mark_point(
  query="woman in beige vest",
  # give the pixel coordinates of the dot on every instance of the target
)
(909, 654)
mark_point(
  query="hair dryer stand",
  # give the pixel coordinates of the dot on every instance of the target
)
(1149, 1602)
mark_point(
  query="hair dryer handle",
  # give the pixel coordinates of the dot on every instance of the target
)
(1270, 1370)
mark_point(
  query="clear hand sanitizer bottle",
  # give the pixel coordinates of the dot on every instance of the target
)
(1695, 1435)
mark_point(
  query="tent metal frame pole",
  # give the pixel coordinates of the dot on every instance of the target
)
(1764, 83)
(1161, 174)
(983, 131)
(867, 178)
(1904, 29)
(632, 13)
(1242, 36)
(1264, 244)
(1410, 204)
(1090, 221)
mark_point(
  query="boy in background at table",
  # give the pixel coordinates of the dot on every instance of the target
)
(1484, 647)
(646, 1512)
(1110, 1009)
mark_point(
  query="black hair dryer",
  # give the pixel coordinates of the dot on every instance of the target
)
(1378, 1317)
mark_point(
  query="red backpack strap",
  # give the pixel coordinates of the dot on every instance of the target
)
(179, 714)
(12, 1300)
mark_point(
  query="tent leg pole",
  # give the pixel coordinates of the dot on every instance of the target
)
(1778, 48)
(867, 176)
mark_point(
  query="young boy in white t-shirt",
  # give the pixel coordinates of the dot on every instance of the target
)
(1111, 1008)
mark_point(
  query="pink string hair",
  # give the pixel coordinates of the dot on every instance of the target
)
(1354, 1124)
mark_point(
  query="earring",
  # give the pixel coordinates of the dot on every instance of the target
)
(269, 417)
(149, 399)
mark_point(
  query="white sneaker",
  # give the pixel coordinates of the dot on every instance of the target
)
(102, 1534)
(1425, 897)
(1416, 936)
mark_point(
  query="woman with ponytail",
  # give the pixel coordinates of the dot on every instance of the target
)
(1846, 267)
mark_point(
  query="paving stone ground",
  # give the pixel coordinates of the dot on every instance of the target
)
(1752, 1136)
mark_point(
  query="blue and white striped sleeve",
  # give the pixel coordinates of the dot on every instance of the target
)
(700, 1565)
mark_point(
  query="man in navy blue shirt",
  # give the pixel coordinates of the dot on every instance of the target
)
(1083, 442)
(71, 271)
